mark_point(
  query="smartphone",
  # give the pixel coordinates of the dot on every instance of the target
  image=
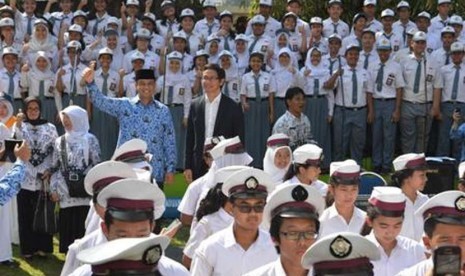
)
(174, 224)
(447, 260)
(9, 155)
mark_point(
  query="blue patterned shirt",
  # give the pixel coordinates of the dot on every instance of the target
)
(151, 123)
(11, 182)
(297, 129)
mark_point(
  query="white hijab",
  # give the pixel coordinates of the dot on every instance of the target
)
(232, 72)
(317, 70)
(9, 106)
(36, 72)
(269, 167)
(80, 129)
(41, 45)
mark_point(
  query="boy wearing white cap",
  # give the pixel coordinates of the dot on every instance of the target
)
(418, 100)
(306, 168)
(243, 246)
(385, 213)
(152, 60)
(444, 224)
(423, 22)
(10, 77)
(342, 215)
(441, 56)
(442, 19)
(259, 40)
(387, 95)
(369, 8)
(410, 176)
(342, 253)
(291, 214)
(404, 23)
(333, 24)
(271, 25)
(127, 86)
(209, 24)
(387, 19)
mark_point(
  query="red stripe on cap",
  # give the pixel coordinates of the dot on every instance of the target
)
(102, 183)
(415, 163)
(387, 206)
(294, 206)
(313, 162)
(129, 154)
(342, 264)
(138, 266)
(443, 211)
(346, 175)
(236, 148)
(129, 204)
(280, 142)
(208, 147)
(242, 188)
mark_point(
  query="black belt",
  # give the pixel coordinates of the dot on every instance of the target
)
(385, 99)
(173, 105)
(255, 99)
(418, 102)
(18, 99)
(454, 102)
(315, 96)
(49, 98)
(352, 108)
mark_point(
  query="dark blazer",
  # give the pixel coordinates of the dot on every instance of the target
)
(229, 123)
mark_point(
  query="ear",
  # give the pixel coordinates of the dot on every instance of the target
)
(427, 242)
(331, 189)
(105, 229)
(369, 222)
(275, 241)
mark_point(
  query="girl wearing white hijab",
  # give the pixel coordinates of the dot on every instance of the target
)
(286, 75)
(277, 157)
(81, 151)
(41, 40)
(232, 81)
(39, 81)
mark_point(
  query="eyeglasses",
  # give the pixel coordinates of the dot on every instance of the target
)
(209, 78)
(246, 209)
(296, 235)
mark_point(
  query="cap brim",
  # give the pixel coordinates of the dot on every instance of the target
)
(250, 194)
(452, 220)
(298, 214)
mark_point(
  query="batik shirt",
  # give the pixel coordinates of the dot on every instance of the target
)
(297, 129)
(11, 182)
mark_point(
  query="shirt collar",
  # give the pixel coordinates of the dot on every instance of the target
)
(215, 100)
(134, 100)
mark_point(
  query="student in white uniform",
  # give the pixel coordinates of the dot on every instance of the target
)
(158, 42)
(444, 224)
(385, 213)
(387, 19)
(152, 60)
(232, 80)
(127, 85)
(259, 41)
(333, 60)
(305, 169)
(451, 83)
(296, 6)
(316, 38)
(456, 22)
(68, 79)
(10, 76)
(333, 24)
(180, 45)
(297, 37)
(226, 32)
(244, 241)
(292, 216)
(175, 92)
(241, 52)
(388, 83)
(58, 18)
(194, 74)
(271, 24)
(278, 157)
(194, 40)
(39, 81)
(410, 177)
(358, 27)
(368, 54)
(442, 19)
(98, 24)
(140, 256)
(423, 21)
(40, 40)
(168, 23)
(343, 215)
(441, 56)
(208, 24)
(404, 23)
(369, 8)
(213, 48)
(342, 253)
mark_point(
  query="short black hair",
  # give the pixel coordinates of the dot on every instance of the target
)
(275, 226)
(399, 176)
(292, 92)
(219, 71)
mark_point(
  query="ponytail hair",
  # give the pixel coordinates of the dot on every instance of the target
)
(213, 201)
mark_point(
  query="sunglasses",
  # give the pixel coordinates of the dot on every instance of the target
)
(296, 235)
(246, 209)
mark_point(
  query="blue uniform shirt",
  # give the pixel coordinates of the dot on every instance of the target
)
(11, 182)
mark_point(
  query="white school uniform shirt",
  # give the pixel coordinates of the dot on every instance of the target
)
(364, 86)
(59, 18)
(233, 88)
(348, 40)
(332, 64)
(285, 79)
(187, 62)
(272, 25)
(433, 42)
(214, 255)
(401, 55)
(266, 81)
(182, 91)
(331, 222)
(438, 57)
(129, 85)
(194, 41)
(242, 61)
(341, 27)
(399, 28)
(152, 61)
(5, 83)
(101, 22)
(202, 27)
(93, 220)
(372, 58)
(374, 25)
(322, 44)
(420, 269)
(30, 83)
(392, 79)
(393, 37)
(211, 112)
(66, 79)
(409, 68)
(319, 73)
(412, 227)
(263, 44)
(272, 269)
(88, 241)
(445, 81)
(437, 24)
(302, 24)
(189, 201)
(405, 254)
(319, 185)
(164, 29)
(112, 82)
(24, 22)
(207, 226)
(157, 42)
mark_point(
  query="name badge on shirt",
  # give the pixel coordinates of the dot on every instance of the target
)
(396, 48)
(294, 48)
(50, 89)
(429, 78)
(157, 51)
(181, 91)
(112, 86)
(264, 48)
(234, 86)
(266, 87)
(390, 79)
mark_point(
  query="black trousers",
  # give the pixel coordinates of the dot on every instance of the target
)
(71, 225)
(30, 241)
